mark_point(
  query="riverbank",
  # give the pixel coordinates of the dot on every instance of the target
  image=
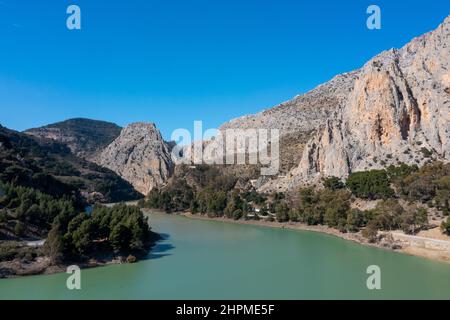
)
(42, 266)
(395, 241)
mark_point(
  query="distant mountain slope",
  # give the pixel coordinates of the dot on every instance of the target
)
(397, 111)
(50, 166)
(396, 108)
(299, 118)
(84, 137)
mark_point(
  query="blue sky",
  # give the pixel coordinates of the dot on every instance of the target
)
(173, 62)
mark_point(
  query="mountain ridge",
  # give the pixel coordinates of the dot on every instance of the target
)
(139, 155)
(85, 137)
(408, 86)
(49, 165)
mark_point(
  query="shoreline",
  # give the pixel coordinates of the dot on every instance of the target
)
(43, 266)
(396, 246)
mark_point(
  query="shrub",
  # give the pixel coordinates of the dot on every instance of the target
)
(396, 173)
(414, 220)
(131, 259)
(426, 153)
(237, 214)
(356, 219)
(3, 216)
(388, 214)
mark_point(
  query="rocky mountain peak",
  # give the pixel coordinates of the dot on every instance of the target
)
(140, 156)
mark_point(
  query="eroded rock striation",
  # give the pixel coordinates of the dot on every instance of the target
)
(140, 156)
(394, 109)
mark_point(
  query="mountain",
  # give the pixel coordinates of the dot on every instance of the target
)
(140, 156)
(395, 109)
(52, 168)
(84, 137)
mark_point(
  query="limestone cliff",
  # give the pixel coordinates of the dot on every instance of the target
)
(140, 156)
(397, 111)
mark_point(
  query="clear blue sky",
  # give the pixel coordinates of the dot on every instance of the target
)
(173, 62)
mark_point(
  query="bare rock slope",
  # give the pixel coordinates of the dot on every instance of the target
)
(394, 109)
(85, 137)
(140, 156)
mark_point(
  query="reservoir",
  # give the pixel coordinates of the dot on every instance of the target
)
(201, 259)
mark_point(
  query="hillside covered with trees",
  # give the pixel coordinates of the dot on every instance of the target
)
(84, 137)
(404, 197)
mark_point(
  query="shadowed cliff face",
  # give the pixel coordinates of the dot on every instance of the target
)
(140, 156)
(394, 109)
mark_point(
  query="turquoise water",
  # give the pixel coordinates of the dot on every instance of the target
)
(216, 260)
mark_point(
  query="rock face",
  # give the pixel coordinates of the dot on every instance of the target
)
(85, 137)
(140, 156)
(397, 111)
(394, 109)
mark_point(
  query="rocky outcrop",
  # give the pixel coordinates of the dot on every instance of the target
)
(85, 137)
(140, 156)
(49, 166)
(304, 113)
(394, 109)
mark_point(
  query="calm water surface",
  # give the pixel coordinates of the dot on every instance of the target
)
(215, 260)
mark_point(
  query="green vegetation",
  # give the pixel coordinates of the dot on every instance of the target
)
(401, 192)
(120, 230)
(72, 234)
(10, 250)
(333, 183)
(426, 153)
(51, 168)
(373, 184)
(28, 206)
(177, 197)
(88, 135)
(211, 193)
